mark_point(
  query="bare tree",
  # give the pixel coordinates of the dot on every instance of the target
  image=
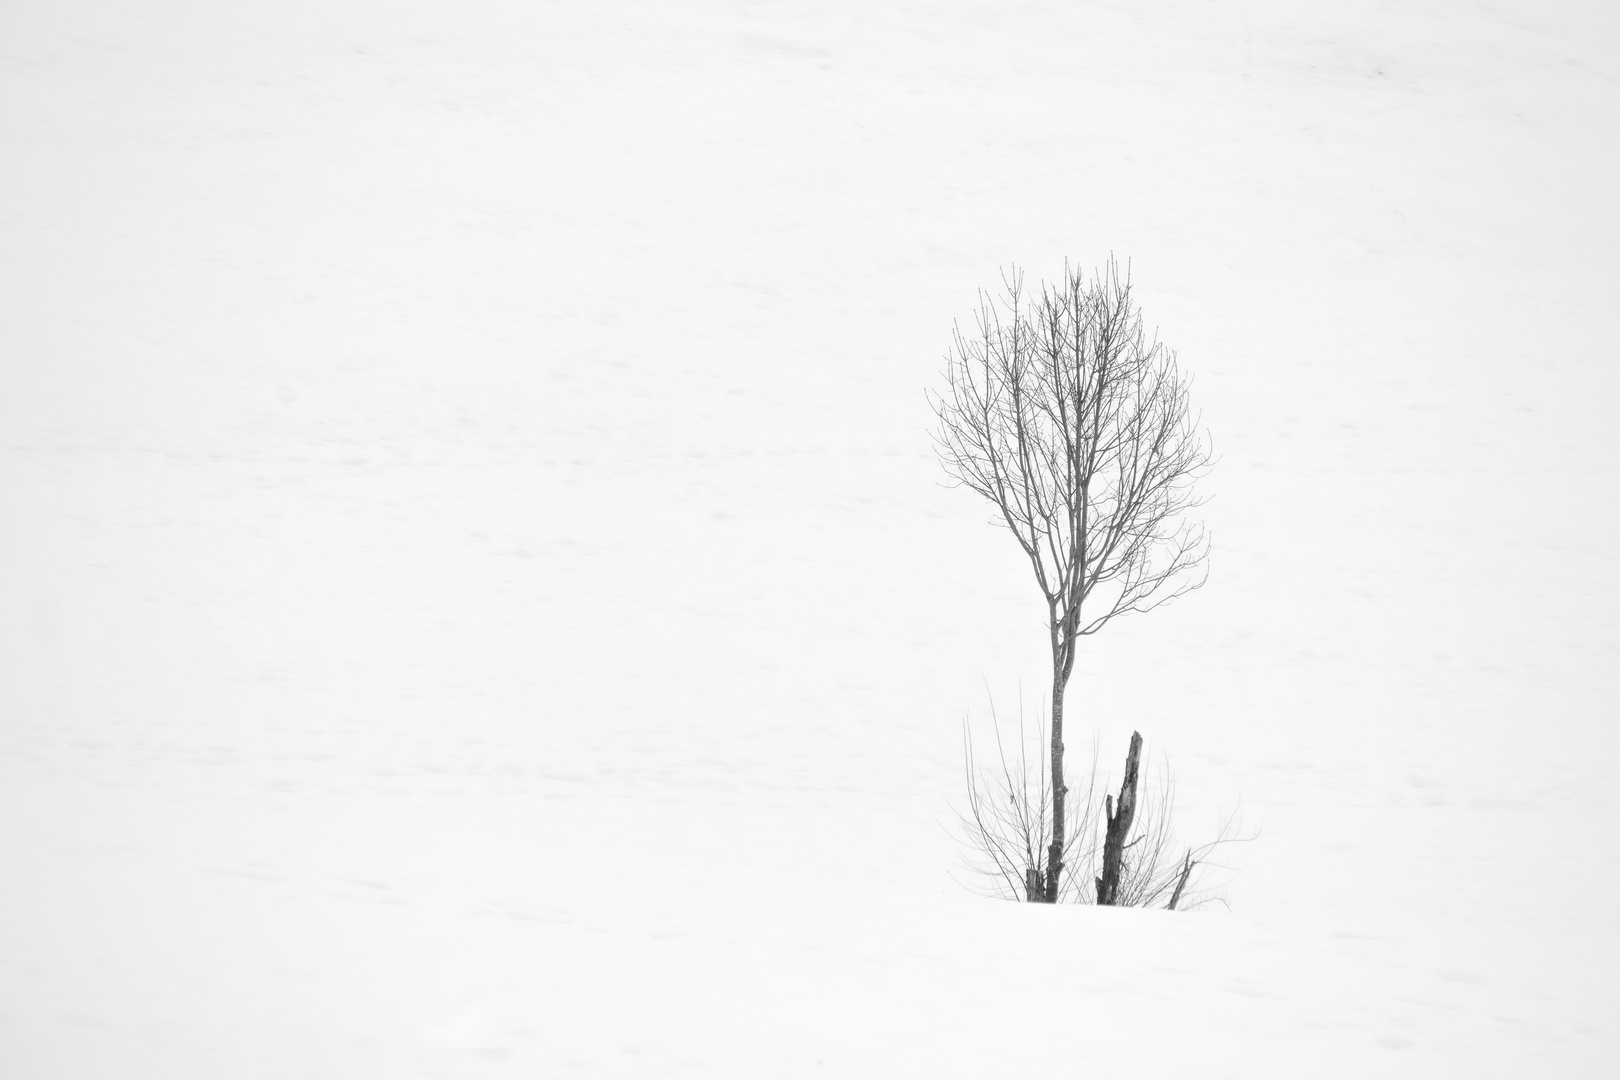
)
(1076, 426)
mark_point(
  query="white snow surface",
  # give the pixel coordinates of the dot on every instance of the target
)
(477, 597)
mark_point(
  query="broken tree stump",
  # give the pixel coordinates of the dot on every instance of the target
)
(1119, 820)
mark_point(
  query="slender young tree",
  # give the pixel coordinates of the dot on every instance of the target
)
(1076, 426)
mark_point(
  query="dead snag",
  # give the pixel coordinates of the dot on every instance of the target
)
(1119, 826)
(1181, 882)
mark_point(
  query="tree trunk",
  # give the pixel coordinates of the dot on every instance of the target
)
(1119, 827)
(1054, 854)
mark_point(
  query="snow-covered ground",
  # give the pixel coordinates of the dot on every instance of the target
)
(477, 598)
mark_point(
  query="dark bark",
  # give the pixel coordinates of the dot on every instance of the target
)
(1119, 827)
(1054, 853)
(1181, 882)
(1034, 889)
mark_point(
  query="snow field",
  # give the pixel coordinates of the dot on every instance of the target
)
(477, 598)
